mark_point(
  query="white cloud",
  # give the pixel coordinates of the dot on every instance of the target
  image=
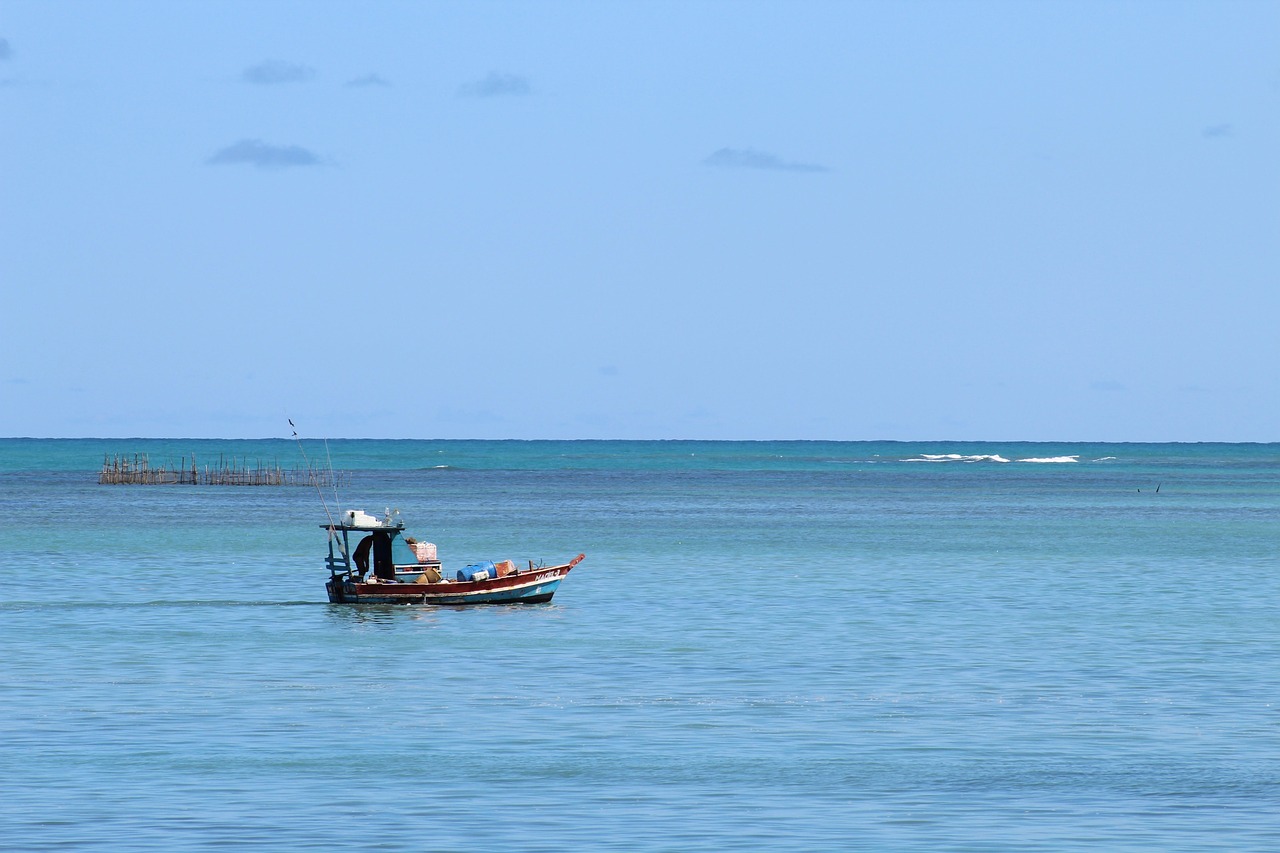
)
(255, 152)
(497, 85)
(367, 81)
(273, 72)
(749, 158)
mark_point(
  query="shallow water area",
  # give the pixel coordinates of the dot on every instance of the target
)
(791, 645)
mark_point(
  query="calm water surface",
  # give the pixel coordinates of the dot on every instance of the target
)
(770, 646)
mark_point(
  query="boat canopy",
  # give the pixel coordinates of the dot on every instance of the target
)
(358, 536)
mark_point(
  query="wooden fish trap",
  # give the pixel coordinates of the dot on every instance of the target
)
(137, 470)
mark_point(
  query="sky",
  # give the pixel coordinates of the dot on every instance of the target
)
(1054, 221)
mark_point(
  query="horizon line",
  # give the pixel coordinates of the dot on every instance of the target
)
(690, 440)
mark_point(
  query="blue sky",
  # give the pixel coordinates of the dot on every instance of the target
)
(854, 220)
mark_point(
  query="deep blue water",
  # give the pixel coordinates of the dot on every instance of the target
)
(770, 646)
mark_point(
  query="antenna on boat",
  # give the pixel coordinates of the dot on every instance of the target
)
(323, 503)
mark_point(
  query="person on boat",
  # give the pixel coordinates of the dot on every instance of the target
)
(361, 555)
(383, 567)
(380, 544)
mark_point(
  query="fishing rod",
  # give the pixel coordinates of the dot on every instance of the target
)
(314, 480)
(333, 478)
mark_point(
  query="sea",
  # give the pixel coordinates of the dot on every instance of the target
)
(941, 646)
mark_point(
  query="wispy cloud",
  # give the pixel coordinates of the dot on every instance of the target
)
(1217, 131)
(255, 152)
(749, 158)
(274, 71)
(368, 80)
(6, 52)
(496, 85)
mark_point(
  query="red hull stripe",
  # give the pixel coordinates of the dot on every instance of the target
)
(461, 588)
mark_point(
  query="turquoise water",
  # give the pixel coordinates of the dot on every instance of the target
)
(770, 646)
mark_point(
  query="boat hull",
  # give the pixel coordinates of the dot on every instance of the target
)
(535, 586)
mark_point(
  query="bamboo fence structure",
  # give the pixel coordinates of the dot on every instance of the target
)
(136, 470)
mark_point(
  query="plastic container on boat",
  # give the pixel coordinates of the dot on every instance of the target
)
(477, 572)
(360, 518)
(431, 575)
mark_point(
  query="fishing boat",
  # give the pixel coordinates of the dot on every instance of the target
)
(371, 561)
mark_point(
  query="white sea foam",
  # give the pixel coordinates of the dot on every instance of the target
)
(1052, 460)
(955, 457)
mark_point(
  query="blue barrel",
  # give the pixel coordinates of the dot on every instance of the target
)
(469, 572)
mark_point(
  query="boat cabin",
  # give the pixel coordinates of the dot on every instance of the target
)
(361, 544)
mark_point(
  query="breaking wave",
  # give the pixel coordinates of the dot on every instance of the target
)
(989, 457)
(955, 457)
